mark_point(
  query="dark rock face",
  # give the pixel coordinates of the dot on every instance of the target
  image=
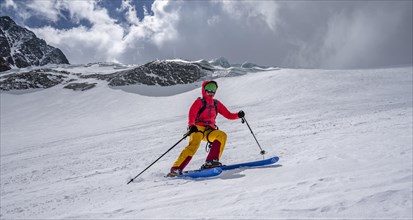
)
(4, 66)
(80, 86)
(41, 78)
(21, 48)
(163, 73)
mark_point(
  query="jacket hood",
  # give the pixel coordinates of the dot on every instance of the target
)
(204, 95)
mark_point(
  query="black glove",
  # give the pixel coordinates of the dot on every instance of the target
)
(192, 129)
(241, 114)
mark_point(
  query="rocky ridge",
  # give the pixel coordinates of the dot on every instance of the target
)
(155, 73)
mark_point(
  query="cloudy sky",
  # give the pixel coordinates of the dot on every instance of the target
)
(309, 34)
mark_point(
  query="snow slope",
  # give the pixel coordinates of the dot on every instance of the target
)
(344, 138)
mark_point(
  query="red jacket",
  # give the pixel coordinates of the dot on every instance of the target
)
(207, 117)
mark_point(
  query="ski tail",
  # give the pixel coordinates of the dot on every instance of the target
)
(265, 162)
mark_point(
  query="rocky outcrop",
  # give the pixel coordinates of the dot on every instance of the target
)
(163, 73)
(4, 66)
(35, 79)
(80, 86)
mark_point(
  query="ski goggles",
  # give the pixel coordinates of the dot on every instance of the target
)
(210, 87)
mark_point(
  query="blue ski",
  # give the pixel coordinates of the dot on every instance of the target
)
(218, 170)
(201, 173)
(269, 161)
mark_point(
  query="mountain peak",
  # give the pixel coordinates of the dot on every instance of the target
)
(7, 19)
(20, 47)
(221, 61)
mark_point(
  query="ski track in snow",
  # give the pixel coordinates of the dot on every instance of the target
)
(344, 138)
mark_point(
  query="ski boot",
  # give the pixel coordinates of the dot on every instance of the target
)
(174, 172)
(211, 164)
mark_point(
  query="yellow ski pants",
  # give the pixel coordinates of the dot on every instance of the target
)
(216, 137)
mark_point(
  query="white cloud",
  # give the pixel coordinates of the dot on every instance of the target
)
(101, 42)
(83, 45)
(10, 4)
(214, 20)
(130, 12)
(251, 12)
(354, 38)
(48, 9)
(334, 34)
(90, 11)
(185, 29)
(106, 40)
(44, 9)
(162, 26)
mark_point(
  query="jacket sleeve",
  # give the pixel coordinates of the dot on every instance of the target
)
(226, 113)
(193, 111)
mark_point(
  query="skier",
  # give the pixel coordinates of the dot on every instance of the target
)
(202, 127)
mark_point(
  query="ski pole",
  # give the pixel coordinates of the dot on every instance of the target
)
(262, 152)
(186, 135)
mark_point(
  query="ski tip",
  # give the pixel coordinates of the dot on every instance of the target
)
(274, 159)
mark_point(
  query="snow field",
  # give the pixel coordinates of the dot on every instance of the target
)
(344, 138)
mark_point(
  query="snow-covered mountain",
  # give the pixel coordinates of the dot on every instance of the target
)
(344, 138)
(84, 77)
(222, 61)
(19, 47)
